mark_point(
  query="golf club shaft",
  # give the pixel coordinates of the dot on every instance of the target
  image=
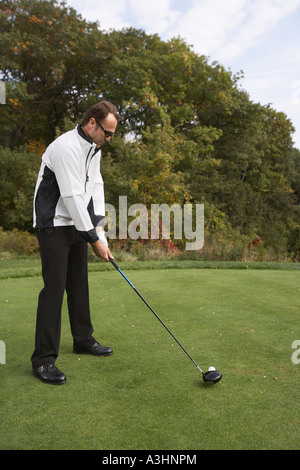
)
(149, 306)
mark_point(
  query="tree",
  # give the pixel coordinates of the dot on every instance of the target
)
(18, 171)
(47, 63)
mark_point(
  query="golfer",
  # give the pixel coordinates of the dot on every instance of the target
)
(68, 213)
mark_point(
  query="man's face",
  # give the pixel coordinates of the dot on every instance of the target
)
(101, 132)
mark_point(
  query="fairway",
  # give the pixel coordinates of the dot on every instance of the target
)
(149, 395)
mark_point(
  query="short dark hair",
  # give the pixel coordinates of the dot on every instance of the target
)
(100, 111)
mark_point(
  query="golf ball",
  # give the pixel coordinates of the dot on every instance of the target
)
(211, 368)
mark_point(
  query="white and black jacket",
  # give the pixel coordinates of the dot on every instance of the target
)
(69, 188)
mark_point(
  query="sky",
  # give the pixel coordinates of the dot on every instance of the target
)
(259, 37)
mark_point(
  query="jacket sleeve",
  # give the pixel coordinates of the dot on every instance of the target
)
(77, 209)
(99, 199)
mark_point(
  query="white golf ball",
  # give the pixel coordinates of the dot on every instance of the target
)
(211, 368)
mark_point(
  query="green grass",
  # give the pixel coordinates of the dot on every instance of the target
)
(28, 266)
(149, 395)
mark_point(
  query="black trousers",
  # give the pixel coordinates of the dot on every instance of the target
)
(64, 267)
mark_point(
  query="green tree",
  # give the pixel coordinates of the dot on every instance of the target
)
(18, 172)
(47, 61)
(145, 169)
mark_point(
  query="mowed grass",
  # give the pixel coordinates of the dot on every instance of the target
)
(149, 395)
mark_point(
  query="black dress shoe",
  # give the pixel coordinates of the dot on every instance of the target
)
(96, 349)
(50, 374)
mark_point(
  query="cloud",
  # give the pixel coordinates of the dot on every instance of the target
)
(154, 16)
(226, 30)
(261, 18)
(111, 15)
(209, 23)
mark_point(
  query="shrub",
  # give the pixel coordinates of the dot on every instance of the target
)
(18, 242)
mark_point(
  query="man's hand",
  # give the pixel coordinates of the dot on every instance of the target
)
(101, 235)
(101, 250)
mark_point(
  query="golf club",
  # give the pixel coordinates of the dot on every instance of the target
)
(212, 376)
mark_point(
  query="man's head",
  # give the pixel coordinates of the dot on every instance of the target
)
(100, 121)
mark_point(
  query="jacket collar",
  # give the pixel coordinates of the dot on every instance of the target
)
(82, 134)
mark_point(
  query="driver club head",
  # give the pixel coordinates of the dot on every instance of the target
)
(212, 376)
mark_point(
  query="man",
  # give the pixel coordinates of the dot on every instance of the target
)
(69, 212)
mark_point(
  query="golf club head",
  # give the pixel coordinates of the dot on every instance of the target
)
(212, 376)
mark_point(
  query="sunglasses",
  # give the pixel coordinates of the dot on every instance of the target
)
(107, 133)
